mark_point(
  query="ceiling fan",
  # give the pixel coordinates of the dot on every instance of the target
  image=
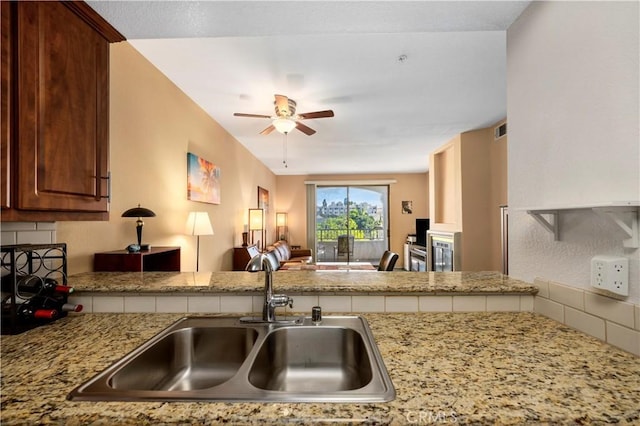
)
(286, 118)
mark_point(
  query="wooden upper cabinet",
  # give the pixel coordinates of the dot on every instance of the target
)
(63, 94)
(61, 106)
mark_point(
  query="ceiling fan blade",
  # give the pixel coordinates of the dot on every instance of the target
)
(268, 130)
(240, 114)
(317, 114)
(304, 129)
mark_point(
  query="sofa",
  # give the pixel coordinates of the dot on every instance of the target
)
(286, 255)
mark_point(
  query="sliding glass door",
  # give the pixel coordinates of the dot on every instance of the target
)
(351, 223)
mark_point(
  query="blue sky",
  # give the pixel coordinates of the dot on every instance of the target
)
(358, 195)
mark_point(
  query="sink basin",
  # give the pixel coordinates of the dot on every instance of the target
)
(224, 359)
(190, 358)
(311, 360)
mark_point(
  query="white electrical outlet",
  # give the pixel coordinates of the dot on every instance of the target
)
(610, 273)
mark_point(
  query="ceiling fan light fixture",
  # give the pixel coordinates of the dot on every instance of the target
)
(284, 125)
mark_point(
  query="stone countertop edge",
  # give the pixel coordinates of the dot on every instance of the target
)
(303, 282)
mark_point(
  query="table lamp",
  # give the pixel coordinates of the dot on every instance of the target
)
(139, 212)
(198, 223)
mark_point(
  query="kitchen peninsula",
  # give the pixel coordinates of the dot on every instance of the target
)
(462, 367)
(480, 368)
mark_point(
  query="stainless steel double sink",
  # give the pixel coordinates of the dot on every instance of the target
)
(224, 359)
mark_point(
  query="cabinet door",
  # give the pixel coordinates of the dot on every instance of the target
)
(5, 98)
(62, 138)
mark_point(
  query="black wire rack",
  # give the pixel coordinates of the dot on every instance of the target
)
(46, 261)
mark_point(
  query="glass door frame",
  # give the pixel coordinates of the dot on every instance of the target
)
(365, 239)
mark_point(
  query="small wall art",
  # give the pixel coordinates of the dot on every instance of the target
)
(203, 180)
(407, 207)
(263, 199)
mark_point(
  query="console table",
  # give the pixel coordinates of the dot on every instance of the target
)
(155, 259)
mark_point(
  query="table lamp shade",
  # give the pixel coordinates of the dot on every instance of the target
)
(198, 223)
(138, 212)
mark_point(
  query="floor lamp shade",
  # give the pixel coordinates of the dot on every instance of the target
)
(256, 221)
(198, 223)
(281, 225)
(281, 219)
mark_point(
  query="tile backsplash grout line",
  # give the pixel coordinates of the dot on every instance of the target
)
(622, 314)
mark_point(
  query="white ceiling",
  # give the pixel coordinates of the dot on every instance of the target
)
(341, 55)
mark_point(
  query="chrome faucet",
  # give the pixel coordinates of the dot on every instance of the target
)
(271, 301)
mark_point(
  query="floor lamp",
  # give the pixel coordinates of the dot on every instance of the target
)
(256, 222)
(198, 223)
(281, 225)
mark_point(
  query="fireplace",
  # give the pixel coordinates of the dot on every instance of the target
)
(443, 251)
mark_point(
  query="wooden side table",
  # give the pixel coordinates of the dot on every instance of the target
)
(242, 256)
(154, 259)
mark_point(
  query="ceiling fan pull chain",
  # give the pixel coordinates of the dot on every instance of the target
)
(284, 150)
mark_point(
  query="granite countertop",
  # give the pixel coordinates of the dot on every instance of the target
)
(480, 368)
(294, 282)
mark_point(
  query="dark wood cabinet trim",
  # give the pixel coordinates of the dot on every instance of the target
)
(14, 215)
(95, 21)
(6, 94)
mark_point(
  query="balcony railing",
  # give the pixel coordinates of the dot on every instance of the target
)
(368, 245)
(373, 234)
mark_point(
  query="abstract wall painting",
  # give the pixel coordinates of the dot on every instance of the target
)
(203, 180)
(263, 199)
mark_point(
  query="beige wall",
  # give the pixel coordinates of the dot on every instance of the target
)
(414, 187)
(152, 127)
(467, 187)
(476, 201)
(445, 187)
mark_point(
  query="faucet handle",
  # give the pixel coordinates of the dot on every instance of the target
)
(281, 300)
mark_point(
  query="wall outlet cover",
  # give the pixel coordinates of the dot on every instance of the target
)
(610, 273)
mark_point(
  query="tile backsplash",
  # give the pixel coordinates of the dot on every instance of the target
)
(613, 321)
(27, 233)
(237, 303)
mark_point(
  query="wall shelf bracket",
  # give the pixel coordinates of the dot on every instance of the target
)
(550, 223)
(627, 221)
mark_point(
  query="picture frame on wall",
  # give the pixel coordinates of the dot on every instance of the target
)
(203, 180)
(407, 207)
(263, 199)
